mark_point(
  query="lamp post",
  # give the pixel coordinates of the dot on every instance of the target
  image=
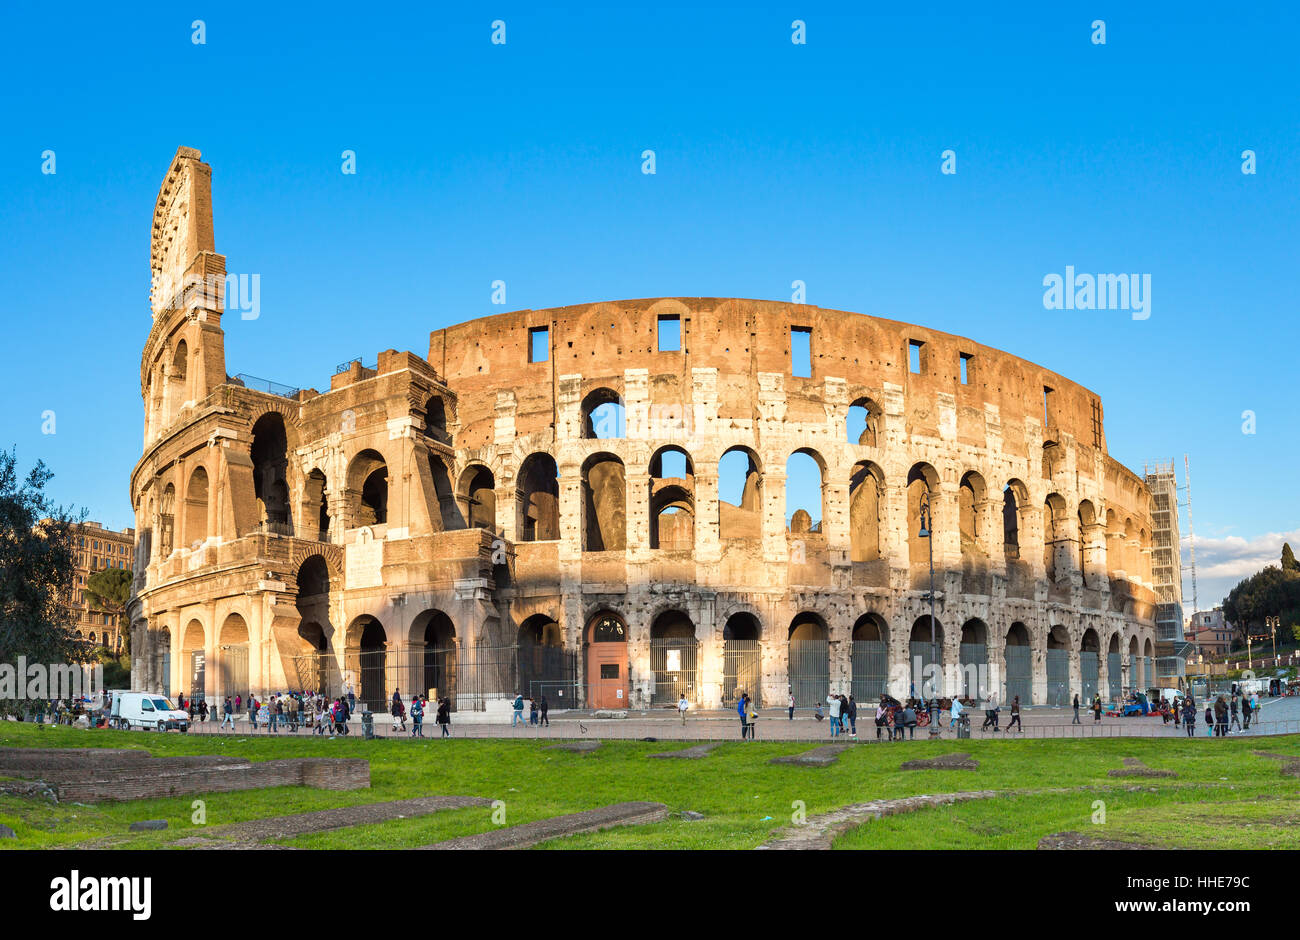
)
(927, 534)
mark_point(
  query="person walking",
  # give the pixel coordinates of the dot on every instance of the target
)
(1189, 717)
(1015, 716)
(352, 701)
(790, 705)
(227, 715)
(1236, 722)
(443, 718)
(517, 712)
(751, 715)
(545, 707)
(1096, 709)
(252, 710)
(417, 717)
(852, 707)
(1220, 717)
(1076, 710)
(532, 712)
(744, 720)
(682, 705)
(955, 719)
(834, 702)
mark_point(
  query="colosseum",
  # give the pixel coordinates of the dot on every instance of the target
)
(590, 503)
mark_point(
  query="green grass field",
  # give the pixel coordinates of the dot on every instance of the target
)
(1223, 797)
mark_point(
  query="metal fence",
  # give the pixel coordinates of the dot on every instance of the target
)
(234, 671)
(870, 670)
(468, 677)
(674, 662)
(1020, 675)
(741, 671)
(973, 658)
(923, 651)
(809, 671)
(1058, 677)
(1115, 676)
(1088, 663)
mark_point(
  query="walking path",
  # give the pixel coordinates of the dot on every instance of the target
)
(1281, 716)
(528, 834)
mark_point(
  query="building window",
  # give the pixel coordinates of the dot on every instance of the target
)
(915, 360)
(1049, 406)
(965, 368)
(670, 334)
(801, 351)
(539, 343)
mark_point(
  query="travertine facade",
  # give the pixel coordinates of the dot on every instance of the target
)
(409, 524)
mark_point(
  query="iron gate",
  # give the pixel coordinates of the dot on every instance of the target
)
(741, 671)
(673, 663)
(974, 670)
(1115, 676)
(234, 671)
(870, 670)
(809, 671)
(922, 651)
(1020, 673)
(1058, 677)
(1088, 676)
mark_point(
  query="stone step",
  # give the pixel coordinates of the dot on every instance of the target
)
(528, 834)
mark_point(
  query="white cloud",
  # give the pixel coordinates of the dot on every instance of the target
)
(1222, 562)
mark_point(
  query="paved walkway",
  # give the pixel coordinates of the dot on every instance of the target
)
(1280, 716)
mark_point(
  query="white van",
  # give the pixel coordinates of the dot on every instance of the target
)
(149, 710)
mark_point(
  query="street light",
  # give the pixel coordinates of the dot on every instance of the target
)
(927, 534)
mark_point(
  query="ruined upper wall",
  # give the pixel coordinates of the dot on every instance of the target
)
(740, 339)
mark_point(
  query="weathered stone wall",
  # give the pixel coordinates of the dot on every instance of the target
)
(480, 526)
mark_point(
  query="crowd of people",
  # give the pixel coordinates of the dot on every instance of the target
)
(1230, 713)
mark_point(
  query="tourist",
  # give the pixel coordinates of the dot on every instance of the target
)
(682, 705)
(443, 718)
(1189, 717)
(1015, 716)
(352, 701)
(1076, 710)
(398, 710)
(790, 705)
(532, 711)
(203, 711)
(252, 710)
(1236, 722)
(544, 706)
(851, 709)
(227, 715)
(955, 718)
(340, 717)
(909, 721)
(265, 714)
(991, 715)
(882, 717)
(291, 710)
(517, 710)
(417, 717)
(324, 723)
(834, 702)
(1096, 708)
(238, 701)
(751, 713)
(1220, 717)
(744, 722)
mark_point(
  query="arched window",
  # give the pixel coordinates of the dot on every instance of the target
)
(922, 481)
(539, 499)
(740, 495)
(866, 489)
(435, 420)
(604, 504)
(368, 477)
(603, 415)
(672, 500)
(970, 499)
(478, 498)
(803, 492)
(863, 423)
(270, 455)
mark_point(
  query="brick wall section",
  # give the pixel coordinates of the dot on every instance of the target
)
(93, 775)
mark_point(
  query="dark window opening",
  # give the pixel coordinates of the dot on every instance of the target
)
(914, 361)
(965, 368)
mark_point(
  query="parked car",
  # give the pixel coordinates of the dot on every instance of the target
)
(149, 710)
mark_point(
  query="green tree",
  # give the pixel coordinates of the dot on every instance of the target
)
(107, 591)
(1288, 558)
(37, 571)
(1268, 593)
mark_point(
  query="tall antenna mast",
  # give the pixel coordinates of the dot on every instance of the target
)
(1191, 538)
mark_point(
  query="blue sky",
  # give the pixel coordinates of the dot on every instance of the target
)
(775, 162)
